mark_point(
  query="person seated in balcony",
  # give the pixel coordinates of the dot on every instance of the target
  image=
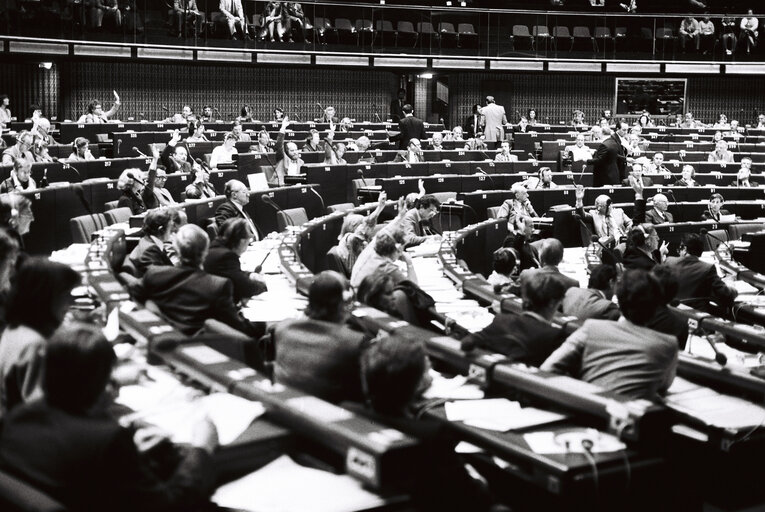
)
(721, 153)
(579, 151)
(749, 33)
(234, 13)
(293, 19)
(186, 15)
(728, 35)
(687, 179)
(96, 114)
(80, 151)
(272, 14)
(743, 176)
(690, 33)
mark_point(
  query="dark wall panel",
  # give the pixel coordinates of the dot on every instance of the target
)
(28, 83)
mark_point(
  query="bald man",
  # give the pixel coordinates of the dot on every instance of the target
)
(659, 214)
(494, 120)
(237, 197)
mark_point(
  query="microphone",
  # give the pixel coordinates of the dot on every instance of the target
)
(705, 232)
(141, 115)
(297, 114)
(164, 107)
(720, 358)
(321, 199)
(360, 172)
(136, 150)
(379, 119)
(479, 170)
(270, 202)
(321, 107)
(136, 178)
(669, 192)
(202, 164)
(532, 155)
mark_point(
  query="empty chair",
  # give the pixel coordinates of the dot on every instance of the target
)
(366, 31)
(407, 35)
(346, 32)
(603, 38)
(468, 38)
(323, 30)
(118, 215)
(736, 231)
(665, 39)
(111, 205)
(448, 35)
(386, 34)
(428, 35)
(710, 240)
(521, 35)
(340, 207)
(541, 35)
(492, 212)
(582, 38)
(291, 217)
(563, 38)
(85, 225)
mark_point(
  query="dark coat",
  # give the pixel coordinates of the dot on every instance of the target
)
(222, 261)
(608, 163)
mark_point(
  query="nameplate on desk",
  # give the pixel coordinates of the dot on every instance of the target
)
(319, 409)
(160, 329)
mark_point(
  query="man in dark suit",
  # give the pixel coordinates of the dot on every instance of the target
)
(699, 280)
(157, 230)
(70, 447)
(595, 300)
(409, 128)
(397, 106)
(610, 159)
(318, 353)
(234, 236)
(550, 256)
(475, 123)
(412, 154)
(187, 295)
(237, 197)
(529, 337)
(659, 214)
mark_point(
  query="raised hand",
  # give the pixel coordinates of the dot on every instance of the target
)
(579, 193)
(116, 97)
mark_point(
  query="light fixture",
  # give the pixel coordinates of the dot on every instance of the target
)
(426, 76)
(45, 65)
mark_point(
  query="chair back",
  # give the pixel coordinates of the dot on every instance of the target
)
(117, 215)
(291, 217)
(84, 226)
(19, 496)
(336, 263)
(111, 205)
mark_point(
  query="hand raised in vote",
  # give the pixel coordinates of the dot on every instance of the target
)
(664, 249)
(579, 193)
(637, 185)
(116, 97)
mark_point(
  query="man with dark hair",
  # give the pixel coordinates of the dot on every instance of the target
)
(96, 114)
(699, 282)
(237, 197)
(610, 158)
(475, 123)
(175, 156)
(409, 127)
(397, 106)
(318, 353)
(288, 161)
(503, 264)
(550, 257)
(68, 446)
(595, 300)
(425, 208)
(529, 337)
(625, 357)
(186, 294)
(665, 320)
(494, 119)
(223, 259)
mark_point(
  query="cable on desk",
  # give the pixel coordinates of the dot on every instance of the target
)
(587, 447)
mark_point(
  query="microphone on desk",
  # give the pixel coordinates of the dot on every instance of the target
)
(720, 358)
(202, 164)
(671, 193)
(136, 150)
(379, 119)
(532, 155)
(705, 232)
(270, 202)
(164, 107)
(481, 171)
(360, 172)
(321, 199)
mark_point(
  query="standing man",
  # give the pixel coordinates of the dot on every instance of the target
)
(610, 158)
(409, 128)
(495, 120)
(397, 106)
(475, 123)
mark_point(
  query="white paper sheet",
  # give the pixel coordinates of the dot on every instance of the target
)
(498, 414)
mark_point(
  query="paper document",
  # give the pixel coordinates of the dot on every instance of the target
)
(284, 486)
(456, 388)
(498, 414)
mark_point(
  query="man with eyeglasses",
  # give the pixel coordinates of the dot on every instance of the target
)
(21, 150)
(163, 195)
(659, 214)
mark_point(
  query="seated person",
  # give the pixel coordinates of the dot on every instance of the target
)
(234, 236)
(550, 256)
(643, 250)
(313, 142)
(595, 300)
(525, 244)
(579, 151)
(688, 178)
(385, 254)
(412, 153)
(476, 143)
(377, 290)
(196, 131)
(20, 178)
(437, 142)
(164, 197)
(288, 161)
(328, 116)
(81, 151)
(698, 281)
(40, 151)
(333, 151)
(186, 295)
(137, 194)
(158, 229)
(21, 150)
(68, 445)
(721, 153)
(743, 176)
(237, 197)
(611, 224)
(457, 135)
(175, 156)
(96, 114)
(201, 188)
(362, 146)
(186, 116)
(543, 179)
(529, 337)
(659, 214)
(238, 132)
(263, 144)
(317, 352)
(517, 209)
(413, 222)
(356, 232)
(656, 166)
(503, 265)
(625, 356)
(503, 153)
(665, 320)
(223, 154)
(715, 209)
(637, 173)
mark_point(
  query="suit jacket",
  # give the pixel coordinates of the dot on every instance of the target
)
(653, 217)
(403, 156)
(551, 270)
(410, 224)
(396, 112)
(609, 162)
(699, 280)
(409, 127)
(682, 183)
(188, 296)
(473, 125)
(647, 182)
(89, 462)
(707, 215)
(170, 164)
(636, 258)
(495, 121)
(628, 359)
(523, 338)
(585, 303)
(669, 322)
(228, 210)
(148, 253)
(222, 261)
(321, 358)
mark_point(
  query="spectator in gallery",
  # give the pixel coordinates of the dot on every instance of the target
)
(707, 35)
(690, 33)
(186, 15)
(108, 14)
(728, 35)
(272, 15)
(96, 114)
(80, 151)
(749, 33)
(721, 153)
(293, 19)
(234, 13)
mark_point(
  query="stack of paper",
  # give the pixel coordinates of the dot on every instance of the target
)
(498, 414)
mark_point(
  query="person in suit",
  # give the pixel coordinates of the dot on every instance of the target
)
(196, 131)
(186, 294)
(664, 319)
(543, 180)
(238, 132)
(643, 250)
(313, 142)
(409, 127)
(610, 223)
(157, 231)
(550, 256)
(201, 188)
(412, 153)
(397, 106)
(636, 172)
(517, 209)
(318, 352)
(474, 124)
(659, 214)
(529, 337)
(328, 116)
(411, 224)
(234, 236)
(164, 197)
(288, 161)
(721, 153)
(235, 18)
(237, 197)
(699, 282)
(595, 300)
(625, 356)
(175, 156)
(384, 255)
(22, 150)
(610, 158)
(687, 178)
(495, 120)
(715, 209)
(96, 114)
(504, 154)
(743, 176)
(437, 142)
(69, 446)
